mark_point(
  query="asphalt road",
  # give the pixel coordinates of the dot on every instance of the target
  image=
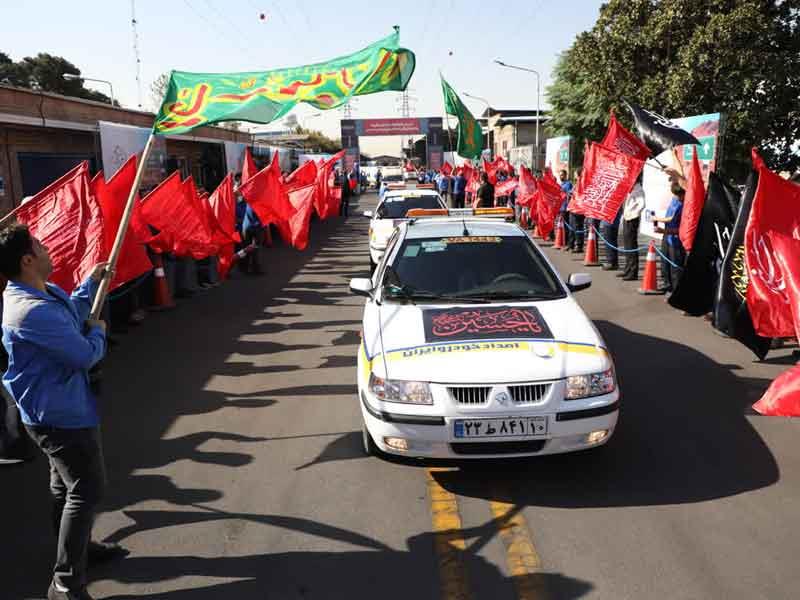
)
(235, 469)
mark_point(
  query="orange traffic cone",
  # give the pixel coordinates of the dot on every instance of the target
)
(559, 243)
(162, 298)
(650, 279)
(590, 256)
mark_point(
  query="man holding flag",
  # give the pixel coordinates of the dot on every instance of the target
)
(51, 347)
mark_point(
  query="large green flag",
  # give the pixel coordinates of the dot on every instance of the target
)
(470, 136)
(195, 99)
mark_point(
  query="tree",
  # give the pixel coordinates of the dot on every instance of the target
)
(683, 57)
(46, 72)
(158, 89)
(319, 141)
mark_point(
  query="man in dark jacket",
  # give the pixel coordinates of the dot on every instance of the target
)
(486, 192)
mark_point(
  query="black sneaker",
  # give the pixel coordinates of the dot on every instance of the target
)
(56, 594)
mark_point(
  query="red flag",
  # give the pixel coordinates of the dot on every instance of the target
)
(266, 193)
(504, 188)
(782, 399)
(447, 169)
(786, 251)
(163, 194)
(549, 197)
(222, 207)
(527, 188)
(775, 209)
(249, 167)
(112, 196)
(302, 176)
(302, 200)
(606, 179)
(619, 139)
(174, 209)
(326, 202)
(67, 219)
(692, 203)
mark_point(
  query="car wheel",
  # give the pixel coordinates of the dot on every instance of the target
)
(370, 449)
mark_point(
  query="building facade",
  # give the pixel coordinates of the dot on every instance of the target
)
(44, 135)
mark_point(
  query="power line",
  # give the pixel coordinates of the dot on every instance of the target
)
(213, 26)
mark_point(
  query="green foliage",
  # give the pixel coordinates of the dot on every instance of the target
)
(46, 72)
(685, 57)
(318, 141)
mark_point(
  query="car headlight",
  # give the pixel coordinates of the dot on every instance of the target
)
(397, 390)
(594, 384)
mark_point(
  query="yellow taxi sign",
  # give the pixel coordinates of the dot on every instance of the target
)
(427, 212)
(499, 211)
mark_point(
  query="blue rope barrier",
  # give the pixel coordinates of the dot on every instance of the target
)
(572, 229)
(661, 254)
(612, 246)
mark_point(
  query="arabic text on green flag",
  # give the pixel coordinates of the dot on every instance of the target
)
(470, 136)
(196, 99)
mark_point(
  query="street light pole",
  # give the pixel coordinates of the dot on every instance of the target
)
(538, 99)
(70, 76)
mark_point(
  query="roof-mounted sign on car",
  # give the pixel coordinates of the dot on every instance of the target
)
(500, 212)
(424, 186)
(395, 186)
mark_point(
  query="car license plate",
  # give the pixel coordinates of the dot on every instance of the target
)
(510, 427)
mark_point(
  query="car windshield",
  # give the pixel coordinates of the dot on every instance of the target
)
(396, 207)
(392, 177)
(471, 268)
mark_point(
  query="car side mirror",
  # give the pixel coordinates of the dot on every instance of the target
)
(361, 286)
(579, 281)
(368, 213)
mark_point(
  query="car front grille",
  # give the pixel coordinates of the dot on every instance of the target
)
(470, 396)
(530, 393)
(520, 447)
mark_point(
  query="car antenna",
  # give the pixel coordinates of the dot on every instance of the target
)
(464, 221)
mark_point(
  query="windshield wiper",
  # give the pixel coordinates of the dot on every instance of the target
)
(488, 296)
(408, 293)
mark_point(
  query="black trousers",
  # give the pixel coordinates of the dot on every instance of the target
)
(611, 233)
(344, 206)
(630, 238)
(676, 255)
(77, 483)
(577, 223)
(457, 201)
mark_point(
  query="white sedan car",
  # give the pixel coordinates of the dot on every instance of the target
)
(473, 347)
(391, 211)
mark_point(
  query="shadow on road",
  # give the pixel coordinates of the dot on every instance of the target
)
(374, 571)
(161, 371)
(682, 437)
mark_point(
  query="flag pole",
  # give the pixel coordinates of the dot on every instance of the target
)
(105, 282)
(10, 216)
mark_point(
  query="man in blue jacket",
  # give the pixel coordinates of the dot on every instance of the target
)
(51, 347)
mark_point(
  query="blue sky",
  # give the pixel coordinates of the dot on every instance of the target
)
(228, 35)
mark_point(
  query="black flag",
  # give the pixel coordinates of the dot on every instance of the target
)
(697, 285)
(731, 315)
(657, 132)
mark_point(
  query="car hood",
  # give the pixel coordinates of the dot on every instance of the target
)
(382, 231)
(486, 343)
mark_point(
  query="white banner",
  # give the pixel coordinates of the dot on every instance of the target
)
(234, 156)
(119, 142)
(557, 154)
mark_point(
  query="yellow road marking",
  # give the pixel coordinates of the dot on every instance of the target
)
(521, 555)
(448, 540)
